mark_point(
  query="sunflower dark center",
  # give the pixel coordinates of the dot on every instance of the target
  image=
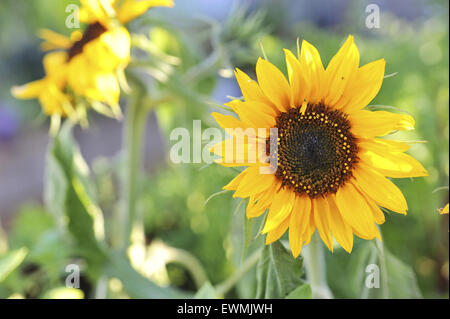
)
(92, 32)
(316, 150)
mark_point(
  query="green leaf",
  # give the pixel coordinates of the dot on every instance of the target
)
(277, 273)
(402, 280)
(10, 261)
(136, 285)
(301, 292)
(397, 280)
(206, 292)
(29, 224)
(69, 195)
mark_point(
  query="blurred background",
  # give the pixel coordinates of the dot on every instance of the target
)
(218, 35)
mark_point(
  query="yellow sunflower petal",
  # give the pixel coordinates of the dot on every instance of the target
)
(131, 9)
(105, 88)
(296, 79)
(298, 223)
(53, 61)
(276, 233)
(309, 231)
(53, 101)
(56, 67)
(228, 121)
(234, 153)
(234, 183)
(29, 91)
(380, 189)
(54, 40)
(281, 207)
(355, 211)
(363, 87)
(273, 84)
(321, 212)
(341, 68)
(378, 214)
(260, 202)
(382, 145)
(366, 236)
(313, 72)
(342, 232)
(378, 123)
(110, 50)
(252, 114)
(391, 164)
(253, 182)
(97, 11)
(251, 90)
(445, 209)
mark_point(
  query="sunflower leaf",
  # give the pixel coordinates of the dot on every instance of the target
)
(303, 291)
(69, 196)
(277, 273)
(372, 273)
(206, 292)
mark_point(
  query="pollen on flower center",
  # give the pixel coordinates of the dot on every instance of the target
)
(92, 32)
(316, 150)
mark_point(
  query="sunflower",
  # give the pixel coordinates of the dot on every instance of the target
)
(331, 164)
(92, 59)
(444, 210)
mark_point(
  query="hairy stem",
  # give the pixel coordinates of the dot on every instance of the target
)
(315, 268)
(134, 127)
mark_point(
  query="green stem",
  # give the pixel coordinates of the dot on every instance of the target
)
(315, 268)
(384, 274)
(134, 127)
(229, 283)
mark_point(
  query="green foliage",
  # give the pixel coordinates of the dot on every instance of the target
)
(396, 279)
(69, 197)
(136, 285)
(303, 291)
(183, 57)
(278, 274)
(11, 261)
(206, 292)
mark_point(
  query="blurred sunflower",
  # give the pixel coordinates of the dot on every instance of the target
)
(93, 59)
(444, 210)
(331, 166)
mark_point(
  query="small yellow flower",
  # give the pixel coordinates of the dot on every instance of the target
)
(332, 165)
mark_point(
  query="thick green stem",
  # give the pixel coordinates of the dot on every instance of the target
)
(315, 268)
(134, 127)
